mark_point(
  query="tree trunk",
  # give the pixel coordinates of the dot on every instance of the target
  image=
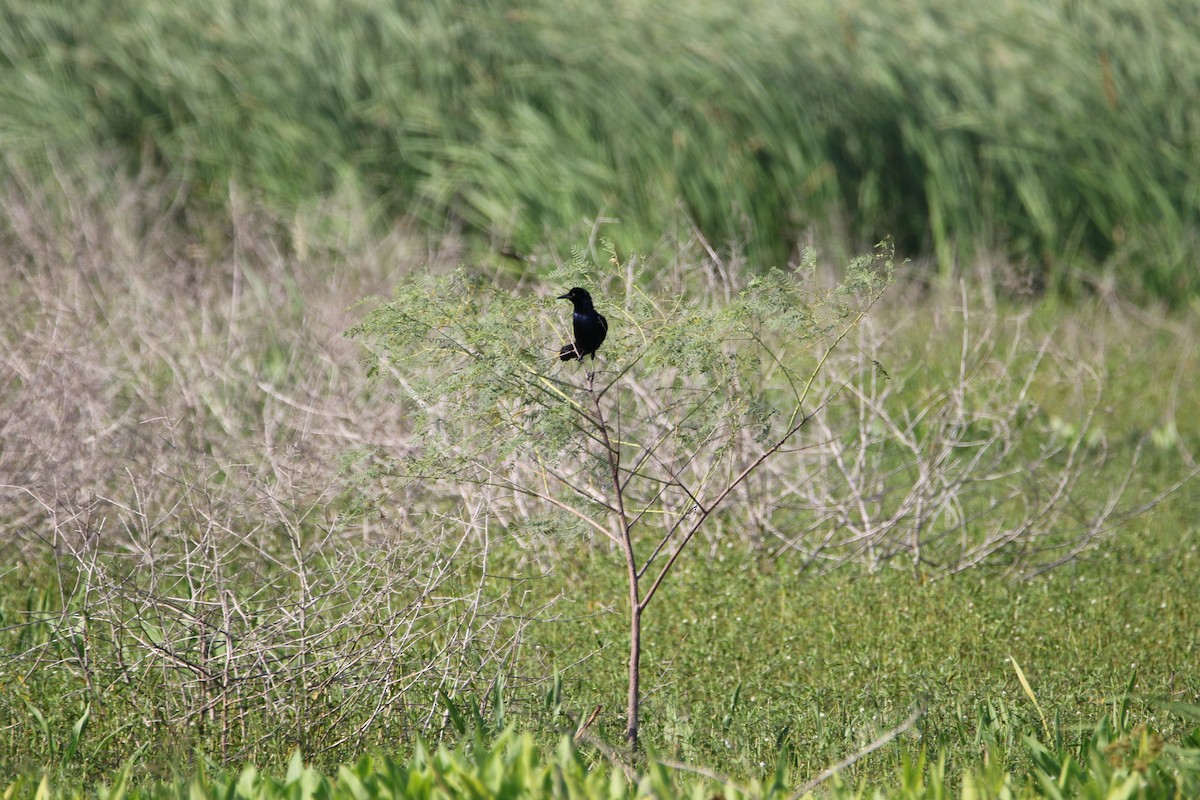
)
(635, 659)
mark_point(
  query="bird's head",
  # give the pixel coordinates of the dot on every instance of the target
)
(576, 295)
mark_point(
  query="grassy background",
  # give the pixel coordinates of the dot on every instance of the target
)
(745, 652)
(1062, 134)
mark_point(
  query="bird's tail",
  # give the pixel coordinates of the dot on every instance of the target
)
(568, 352)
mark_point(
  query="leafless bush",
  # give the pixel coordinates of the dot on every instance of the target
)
(178, 412)
(274, 629)
(1006, 461)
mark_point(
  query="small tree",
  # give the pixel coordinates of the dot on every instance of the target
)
(692, 395)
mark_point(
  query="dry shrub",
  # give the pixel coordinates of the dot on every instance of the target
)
(993, 444)
(181, 404)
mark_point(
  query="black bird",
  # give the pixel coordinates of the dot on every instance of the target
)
(590, 327)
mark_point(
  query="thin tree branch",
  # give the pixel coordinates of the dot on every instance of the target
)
(866, 751)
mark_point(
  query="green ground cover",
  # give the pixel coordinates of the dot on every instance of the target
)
(746, 651)
(755, 667)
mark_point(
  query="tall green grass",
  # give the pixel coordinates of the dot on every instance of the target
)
(1066, 133)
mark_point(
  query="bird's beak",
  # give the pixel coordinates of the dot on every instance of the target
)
(566, 296)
